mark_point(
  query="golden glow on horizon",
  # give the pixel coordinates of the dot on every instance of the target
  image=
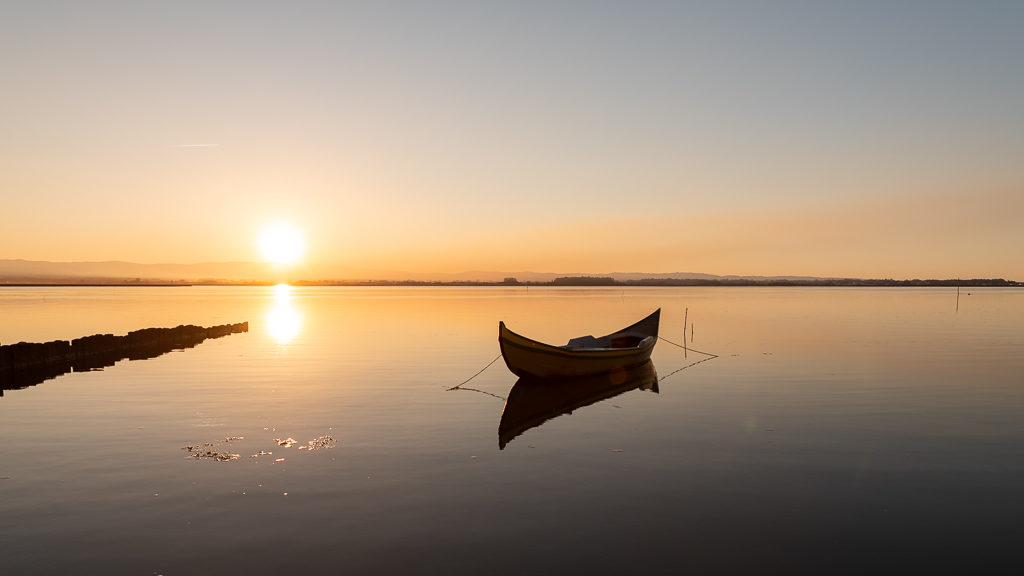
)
(282, 244)
(284, 322)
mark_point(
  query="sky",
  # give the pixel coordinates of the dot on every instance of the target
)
(875, 139)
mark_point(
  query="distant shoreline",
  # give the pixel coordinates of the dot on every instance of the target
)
(90, 285)
(571, 281)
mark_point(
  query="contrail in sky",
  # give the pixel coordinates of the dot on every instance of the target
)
(193, 145)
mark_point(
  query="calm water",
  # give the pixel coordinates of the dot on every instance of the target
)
(839, 430)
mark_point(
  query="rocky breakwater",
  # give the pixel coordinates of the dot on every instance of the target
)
(28, 363)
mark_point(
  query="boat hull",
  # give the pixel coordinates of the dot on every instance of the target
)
(525, 357)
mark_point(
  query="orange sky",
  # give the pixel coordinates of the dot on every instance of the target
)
(868, 141)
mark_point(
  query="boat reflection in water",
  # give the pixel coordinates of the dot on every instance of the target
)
(533, 401)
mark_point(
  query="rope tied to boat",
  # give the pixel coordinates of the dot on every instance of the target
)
(466, 381)
(709, 355)
(688, 348)
(690, 365)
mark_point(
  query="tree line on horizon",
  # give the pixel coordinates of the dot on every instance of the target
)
(608, 281)
(579, 281)
(582, 281)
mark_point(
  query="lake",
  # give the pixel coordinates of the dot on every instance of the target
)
(837, 430)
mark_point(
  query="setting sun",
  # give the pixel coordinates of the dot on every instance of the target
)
(282, 243)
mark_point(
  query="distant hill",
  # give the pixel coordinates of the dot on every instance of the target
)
(35, 271)
(30, 271)
(118, 272)
(76, 272)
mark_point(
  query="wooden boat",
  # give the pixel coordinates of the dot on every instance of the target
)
(583, 356)
(532, 401)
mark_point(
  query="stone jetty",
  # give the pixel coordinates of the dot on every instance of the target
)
(28, 363)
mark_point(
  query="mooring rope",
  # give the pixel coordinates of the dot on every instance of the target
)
(690, 365)
(689, 349)
(709, 355)
(502, 398)
(466, 381)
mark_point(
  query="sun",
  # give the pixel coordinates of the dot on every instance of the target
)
(282, 243)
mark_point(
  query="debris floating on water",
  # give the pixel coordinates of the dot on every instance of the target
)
(198, 452)
(216, 450)
(211, 450)
(326, 441)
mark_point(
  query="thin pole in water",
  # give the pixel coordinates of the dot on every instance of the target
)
(686, 315)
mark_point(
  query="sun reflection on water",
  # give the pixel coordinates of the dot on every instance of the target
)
(284, 322)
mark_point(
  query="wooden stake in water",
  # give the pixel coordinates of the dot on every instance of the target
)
(957, 294)
(685, 316)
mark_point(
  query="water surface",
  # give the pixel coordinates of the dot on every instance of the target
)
(838, 430)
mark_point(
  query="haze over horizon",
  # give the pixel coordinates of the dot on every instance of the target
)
(868, 140)
(31, 272)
